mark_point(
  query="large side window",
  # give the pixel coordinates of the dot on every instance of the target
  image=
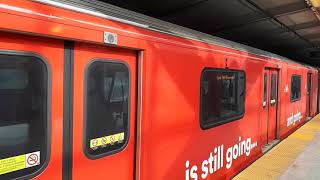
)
(222, 96)
(23, 115)
(107, 108)
(295, 88)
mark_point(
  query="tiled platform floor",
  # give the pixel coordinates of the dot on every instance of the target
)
(296, 157)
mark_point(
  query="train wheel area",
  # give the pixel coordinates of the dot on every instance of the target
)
(296, 157)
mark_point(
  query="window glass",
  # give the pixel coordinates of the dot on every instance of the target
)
(295, 88)
(107, 108)
(309, 84)
(222, 96)
(107, 87)
(120, 88)
(13, 79)
(265, 86)
(273, 87)
(23, 114)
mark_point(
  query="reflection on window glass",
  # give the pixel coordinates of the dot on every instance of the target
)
(309, 83)
(120, 88)
(107, 108)
(13, 79)
(222, 96)
(265, 86)
(107, 87)
(273, 87)
(295, 88)
(23, 111)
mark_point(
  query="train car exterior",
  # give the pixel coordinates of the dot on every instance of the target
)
(86, 95)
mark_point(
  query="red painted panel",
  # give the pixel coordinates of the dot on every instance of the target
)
(172, 140)
(117, 166)
(272, 105)
(314, 98)
(171, 114)
(309, 95)
(52, 51)
(265, 105)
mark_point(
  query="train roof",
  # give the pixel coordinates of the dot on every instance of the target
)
(111, 12)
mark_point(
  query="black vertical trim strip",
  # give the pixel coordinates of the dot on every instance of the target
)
(68, 110)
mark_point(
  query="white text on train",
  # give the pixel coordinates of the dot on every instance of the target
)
(217, 159)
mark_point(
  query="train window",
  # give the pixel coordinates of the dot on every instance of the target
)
(222, 96)
(107, 108)
(295, 88)
(309, 79)
(265, 91)
(23, 115)
(13, 79)
(273, 87)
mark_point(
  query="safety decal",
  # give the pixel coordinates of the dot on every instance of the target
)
(106, 140)
(20, 162)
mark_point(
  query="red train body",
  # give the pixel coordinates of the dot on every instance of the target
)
(163, 137)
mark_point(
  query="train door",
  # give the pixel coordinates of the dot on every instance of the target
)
(31, 107)
(309, 94)
(270, 105)
(104, 117)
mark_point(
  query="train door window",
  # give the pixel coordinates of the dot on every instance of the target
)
(265, 91)
(222, 96)
(309, 84)
(273, 88)
(295, 88)
(107, 108)
(23, 115)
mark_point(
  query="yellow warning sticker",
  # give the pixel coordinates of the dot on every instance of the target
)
(106, 140)
(20, 162)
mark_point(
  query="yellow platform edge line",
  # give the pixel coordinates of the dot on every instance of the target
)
(275, 162)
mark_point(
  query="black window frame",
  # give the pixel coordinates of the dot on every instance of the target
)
(294, 99)
(206, 126)
(48, 103)
(127, 132)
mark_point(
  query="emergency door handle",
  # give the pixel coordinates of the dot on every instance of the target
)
(264, 104)
(272, 101)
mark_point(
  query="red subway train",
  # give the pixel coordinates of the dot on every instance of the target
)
(92, 91)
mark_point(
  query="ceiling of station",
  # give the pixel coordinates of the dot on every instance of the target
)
(289, 28)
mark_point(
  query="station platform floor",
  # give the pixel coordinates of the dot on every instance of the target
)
(296, 157)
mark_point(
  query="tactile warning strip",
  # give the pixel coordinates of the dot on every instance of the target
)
(275, 162)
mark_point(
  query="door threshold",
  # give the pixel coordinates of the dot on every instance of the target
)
(269, 146)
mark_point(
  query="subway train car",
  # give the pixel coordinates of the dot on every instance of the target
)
(92, 91)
